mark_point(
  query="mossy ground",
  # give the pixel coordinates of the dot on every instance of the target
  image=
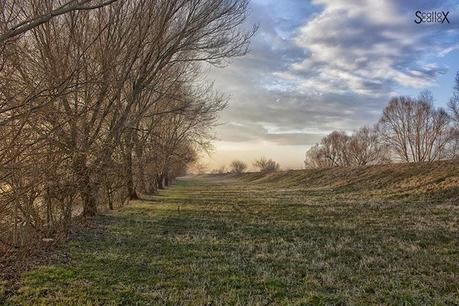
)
(258, 240)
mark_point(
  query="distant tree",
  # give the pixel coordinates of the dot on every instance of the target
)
(266, 165)
(332, 151)
(337, 149)
(365, 148)
(222, 170)
(238, 166)
(198, 167)
(316, 158)
(453, 107)
(335, 146)
(454, 102)
(415, 130)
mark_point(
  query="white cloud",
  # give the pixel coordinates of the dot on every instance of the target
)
(363, 47)
(314, 69)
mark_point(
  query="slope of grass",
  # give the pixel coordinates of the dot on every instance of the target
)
(2, 287)
(372, 235)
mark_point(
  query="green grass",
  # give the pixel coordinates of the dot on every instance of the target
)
(2, 288)
(268, 239)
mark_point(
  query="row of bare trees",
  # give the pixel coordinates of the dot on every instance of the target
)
(103, 101)
(410, 130)
(339, 149)
(261, 164)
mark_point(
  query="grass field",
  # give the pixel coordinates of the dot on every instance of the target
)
(372, 235)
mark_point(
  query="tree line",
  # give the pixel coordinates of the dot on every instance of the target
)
(409, 130)
(102, 101)
(261, 164)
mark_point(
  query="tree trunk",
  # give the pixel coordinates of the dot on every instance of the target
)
(67, 216)
(166, 180)
(138, 149)
(131, 188)
(88, 190)
(110, 200)
(132, 194)
(89, 201)
(161, 182)
(151, 187)
(88, 193)
(48, 210)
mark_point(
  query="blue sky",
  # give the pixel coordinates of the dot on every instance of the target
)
(317, 66)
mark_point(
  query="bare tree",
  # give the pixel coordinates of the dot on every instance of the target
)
(331, 152)
(316, 157)
(453, 107)
(20, 16)
(414, 129)
(454, 101)
(238, 166)
(337, 149)
(365, 148)
(266, 165)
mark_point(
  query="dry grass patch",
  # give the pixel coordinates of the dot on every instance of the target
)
(252, 239)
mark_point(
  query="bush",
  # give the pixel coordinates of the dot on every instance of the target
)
(238, 166)
(266, 165)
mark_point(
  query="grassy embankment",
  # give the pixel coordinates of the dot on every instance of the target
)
(371, 235)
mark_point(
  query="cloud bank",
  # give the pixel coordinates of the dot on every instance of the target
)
(325, 65)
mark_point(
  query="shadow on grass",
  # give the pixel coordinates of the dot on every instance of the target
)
(154, 253)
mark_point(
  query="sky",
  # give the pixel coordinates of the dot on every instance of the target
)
(323, 65)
